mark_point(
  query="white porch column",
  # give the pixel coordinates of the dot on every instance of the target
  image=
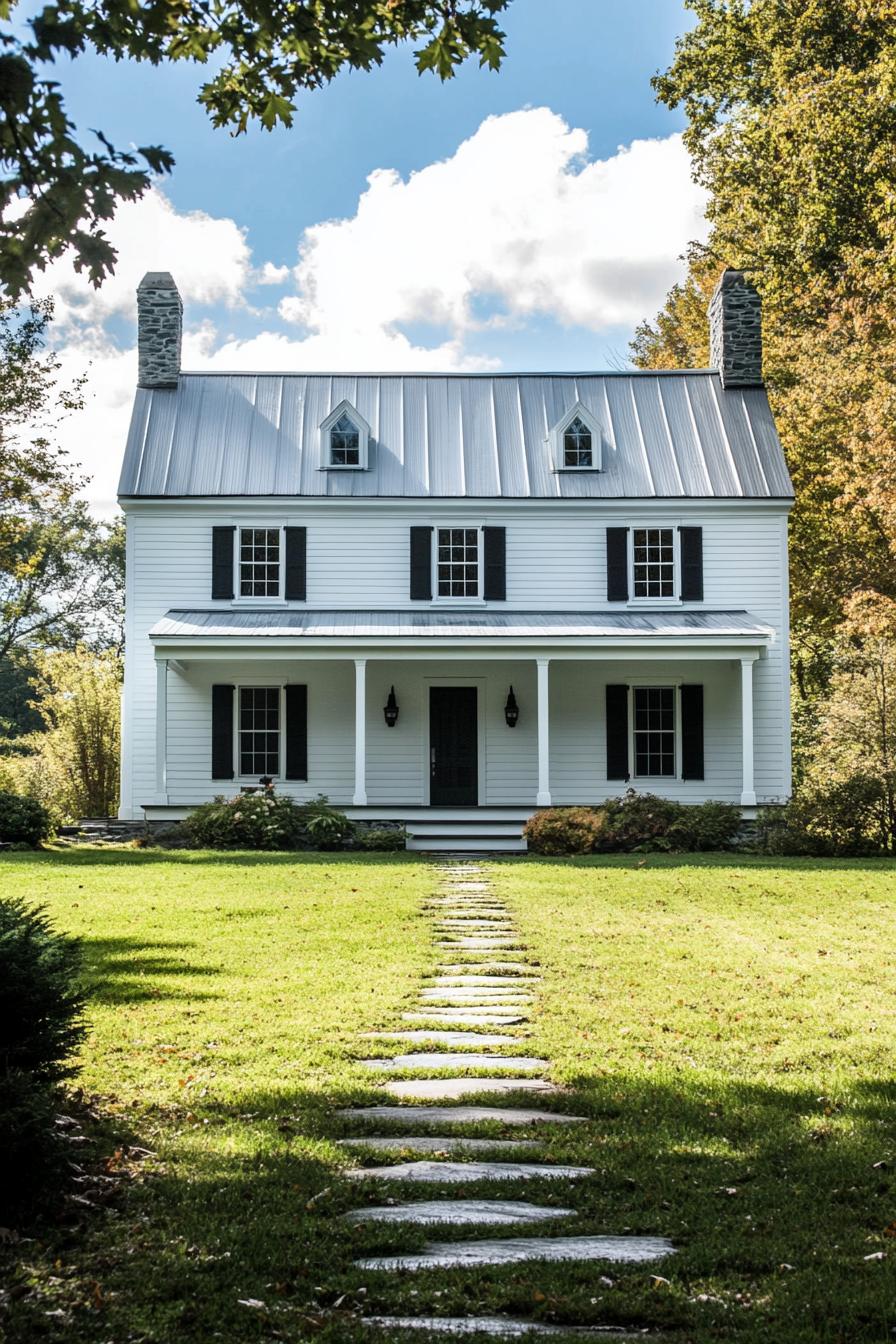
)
(162, 729)
(748, 790)
(543, 797)
(360, 797)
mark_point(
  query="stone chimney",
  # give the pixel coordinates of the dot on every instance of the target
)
(735, 331)
(160, 321)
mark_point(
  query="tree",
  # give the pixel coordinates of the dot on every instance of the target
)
(262, 55)
(73, 765)
(60, 570)
(792, 127)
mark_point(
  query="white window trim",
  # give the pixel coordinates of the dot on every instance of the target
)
(669, 683)
(479, 600)
(279, 601)
(260, 684)
(675, 599)
(357, 419)
(556, 440)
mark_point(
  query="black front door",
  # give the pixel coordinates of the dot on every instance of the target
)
(453, 755)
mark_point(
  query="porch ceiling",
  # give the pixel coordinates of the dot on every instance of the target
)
(280, 629)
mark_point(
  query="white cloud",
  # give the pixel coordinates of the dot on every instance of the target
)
(209, 258)
(517, 215)
(518, 225)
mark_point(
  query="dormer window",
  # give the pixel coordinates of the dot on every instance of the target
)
(345, 443)
(577, 444)
(576, 441)
(344, 438)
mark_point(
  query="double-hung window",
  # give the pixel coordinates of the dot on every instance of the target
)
(259, 562)
(653, 562)
(653, 730)
(457, 562)
(259, 731)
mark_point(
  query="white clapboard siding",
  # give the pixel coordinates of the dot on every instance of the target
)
(358, 559)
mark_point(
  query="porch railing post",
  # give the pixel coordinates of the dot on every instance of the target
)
(360, 795)
(748, 787)
(543, 797)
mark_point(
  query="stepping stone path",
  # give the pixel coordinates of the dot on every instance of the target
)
(461, 1001)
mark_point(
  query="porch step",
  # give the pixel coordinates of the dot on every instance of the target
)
(466, 834)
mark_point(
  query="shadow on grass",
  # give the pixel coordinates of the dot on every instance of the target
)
(771, 1196)
(128, 970)
(125, 856)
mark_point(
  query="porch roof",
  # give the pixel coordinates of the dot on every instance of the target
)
(199, 627)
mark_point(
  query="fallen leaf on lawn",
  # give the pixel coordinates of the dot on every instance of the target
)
(538, 1295)
(890, 1230)
(659, 1282)
(251, 1302)
(875, 1255)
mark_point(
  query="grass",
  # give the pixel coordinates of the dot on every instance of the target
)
(727, 1025)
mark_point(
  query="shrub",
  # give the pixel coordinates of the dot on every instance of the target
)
(23, 820)
(564, 830)
(249, 821)
(324, 826)
(705, 826)
(266, 821)
(382, 838)
(41, 1001)
(846, 818)
(639, 821)
(41, 1026)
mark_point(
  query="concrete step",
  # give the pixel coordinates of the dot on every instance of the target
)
(478, 833)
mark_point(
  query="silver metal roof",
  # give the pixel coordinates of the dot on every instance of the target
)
(665, 435)
(461, 624)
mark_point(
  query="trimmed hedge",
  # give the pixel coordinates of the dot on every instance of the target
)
(634, 823)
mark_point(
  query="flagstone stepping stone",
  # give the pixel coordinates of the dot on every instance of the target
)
(444, 1037)
(513, 968)
(459, 1115)
(485, 1212)
(441, 1143)
(520, 1250)
(481, 944)
(472, 1060)
(465, 1173)
(441, 1089)
(499, 1327)
(511, 982)
(482, 992)
(467, 1017)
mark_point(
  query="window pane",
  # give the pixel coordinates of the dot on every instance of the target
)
(259, 730)
(654, 730)
(259, 562)
(653, 550)
(457, 562)
(577, 444)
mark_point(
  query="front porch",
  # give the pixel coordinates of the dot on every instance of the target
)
(596, 713)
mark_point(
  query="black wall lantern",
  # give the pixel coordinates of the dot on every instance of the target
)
(390, 709)
(511, 710)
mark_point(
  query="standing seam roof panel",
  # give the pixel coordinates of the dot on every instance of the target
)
(448, 436)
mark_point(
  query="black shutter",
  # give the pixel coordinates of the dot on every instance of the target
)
(222, 561)
(617, 732)
(296, 732)
(692, 731)
(294, 568)
(691, 564)
(494, 546)
(222, 732)
(421, 564)
(617, 564)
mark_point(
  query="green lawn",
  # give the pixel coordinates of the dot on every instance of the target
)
(728, 1027)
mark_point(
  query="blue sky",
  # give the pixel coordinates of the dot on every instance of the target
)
(540, 244)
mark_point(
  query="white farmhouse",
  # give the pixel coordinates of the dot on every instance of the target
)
(452, 599)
